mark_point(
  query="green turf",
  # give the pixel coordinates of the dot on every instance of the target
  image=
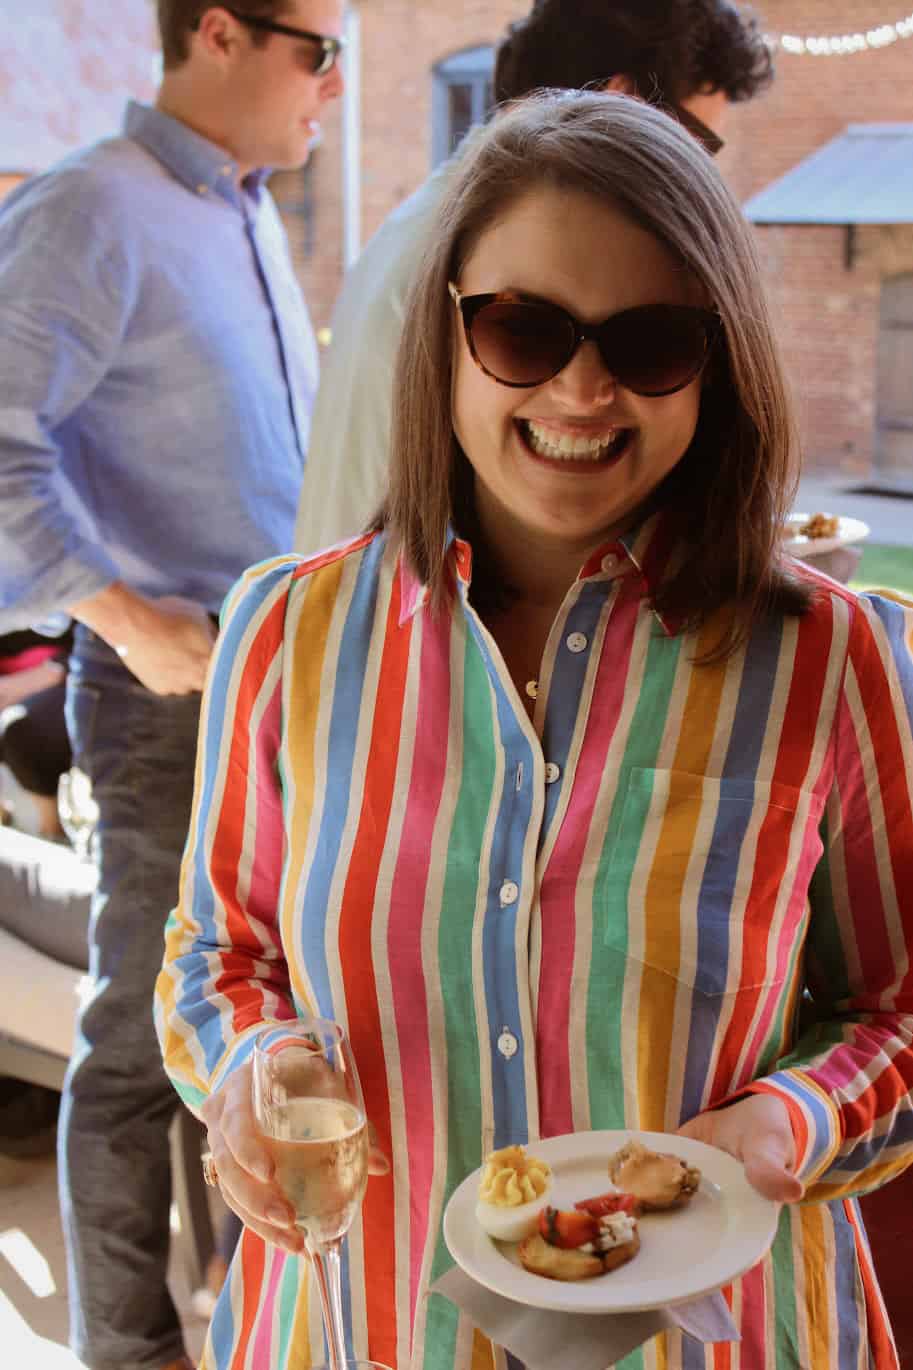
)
(890, 567)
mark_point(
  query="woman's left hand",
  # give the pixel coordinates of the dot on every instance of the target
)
(756, 1130)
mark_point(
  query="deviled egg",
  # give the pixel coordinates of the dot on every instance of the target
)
(513, 1191)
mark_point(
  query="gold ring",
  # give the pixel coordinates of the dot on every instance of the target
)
(210, 1174)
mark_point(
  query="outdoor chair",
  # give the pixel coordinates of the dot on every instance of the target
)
(45, 892)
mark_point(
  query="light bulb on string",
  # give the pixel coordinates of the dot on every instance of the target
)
(843, 44)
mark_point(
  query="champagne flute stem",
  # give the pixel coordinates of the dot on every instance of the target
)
(325, 1258)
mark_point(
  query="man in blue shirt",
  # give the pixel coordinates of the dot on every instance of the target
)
(157, 371)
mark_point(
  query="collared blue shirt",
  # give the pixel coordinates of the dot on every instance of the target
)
(157, 373)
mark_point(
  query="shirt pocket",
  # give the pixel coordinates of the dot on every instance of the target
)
(708, 878)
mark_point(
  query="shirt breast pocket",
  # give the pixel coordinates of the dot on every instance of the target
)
(707, 880)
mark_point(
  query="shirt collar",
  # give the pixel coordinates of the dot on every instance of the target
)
(647, 548)
(201, 166)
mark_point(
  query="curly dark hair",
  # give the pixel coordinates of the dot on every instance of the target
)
(669, 48)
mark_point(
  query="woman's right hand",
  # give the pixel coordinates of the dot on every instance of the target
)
(245, 1168)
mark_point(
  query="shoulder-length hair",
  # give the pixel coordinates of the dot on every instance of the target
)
(730, 492)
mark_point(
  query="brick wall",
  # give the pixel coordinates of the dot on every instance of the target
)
(66, 69)
(830, 315)
(401, 40)
(7, 183)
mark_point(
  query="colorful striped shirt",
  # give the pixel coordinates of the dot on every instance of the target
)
(677, 881)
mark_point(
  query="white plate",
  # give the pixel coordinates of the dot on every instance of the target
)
(725, 1230)
(848, 530)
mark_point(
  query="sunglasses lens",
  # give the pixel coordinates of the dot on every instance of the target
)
(656, 350)
(327, 57)
(521, 344)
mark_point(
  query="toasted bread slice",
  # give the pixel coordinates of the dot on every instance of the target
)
(560, 1263)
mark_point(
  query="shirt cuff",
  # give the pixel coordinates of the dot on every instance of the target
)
(813, 1116)
(241, 1050)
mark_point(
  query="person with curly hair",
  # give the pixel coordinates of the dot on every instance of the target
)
(690, 57)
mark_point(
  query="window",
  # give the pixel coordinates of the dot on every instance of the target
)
(462, 96)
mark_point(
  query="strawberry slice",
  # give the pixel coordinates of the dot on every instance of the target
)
(561, 1227)
(604, 1204)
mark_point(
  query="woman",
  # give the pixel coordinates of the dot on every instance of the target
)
(562, 788)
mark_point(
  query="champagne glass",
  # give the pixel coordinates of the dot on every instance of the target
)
(77, 809)
(355, 1365)
(308, 1105)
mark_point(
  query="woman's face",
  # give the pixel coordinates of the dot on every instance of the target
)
(572, 249)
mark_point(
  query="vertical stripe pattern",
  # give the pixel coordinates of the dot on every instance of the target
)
(607, 917)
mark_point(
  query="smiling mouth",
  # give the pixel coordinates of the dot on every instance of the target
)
(588, 449)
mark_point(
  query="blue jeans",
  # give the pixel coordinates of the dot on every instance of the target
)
(138, 749)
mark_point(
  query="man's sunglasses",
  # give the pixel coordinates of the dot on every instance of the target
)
(328, 48)
(652, 349)
(711, 142)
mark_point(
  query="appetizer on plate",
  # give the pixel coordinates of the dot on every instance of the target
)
(579, 1245)
(820, 526)
(513, 1191)
(658, 1180)
(599, 1233)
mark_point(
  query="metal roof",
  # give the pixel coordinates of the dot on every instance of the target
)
(863, 176)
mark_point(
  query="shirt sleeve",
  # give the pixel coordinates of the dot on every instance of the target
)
(65, 299)
(224, 974)
(848, 1082)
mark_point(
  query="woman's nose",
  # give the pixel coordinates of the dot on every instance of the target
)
(586, 379)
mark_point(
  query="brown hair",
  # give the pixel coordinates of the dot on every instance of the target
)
(670, 49)
(732, 488)
(177, 19)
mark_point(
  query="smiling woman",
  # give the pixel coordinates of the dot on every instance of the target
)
(639, 334)
(564, 785)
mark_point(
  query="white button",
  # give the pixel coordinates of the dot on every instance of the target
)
(609, 562)
(532, 689)
(508, 1044)
(552, 772)
(577, 642)
(509, 892)
(228, 170)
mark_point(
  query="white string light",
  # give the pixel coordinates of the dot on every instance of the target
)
(841, 45)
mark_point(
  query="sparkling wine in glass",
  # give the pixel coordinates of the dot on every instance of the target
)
(77, 809)
(309, 1108)
(355, 1365)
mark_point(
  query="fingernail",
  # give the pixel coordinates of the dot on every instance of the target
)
(263, 1170)
(279, 1214)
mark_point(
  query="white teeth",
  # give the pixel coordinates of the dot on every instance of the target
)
(567, 446)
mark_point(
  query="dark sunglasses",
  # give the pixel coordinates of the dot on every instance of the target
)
(653, 349)
(711, 142)
(328, 48)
